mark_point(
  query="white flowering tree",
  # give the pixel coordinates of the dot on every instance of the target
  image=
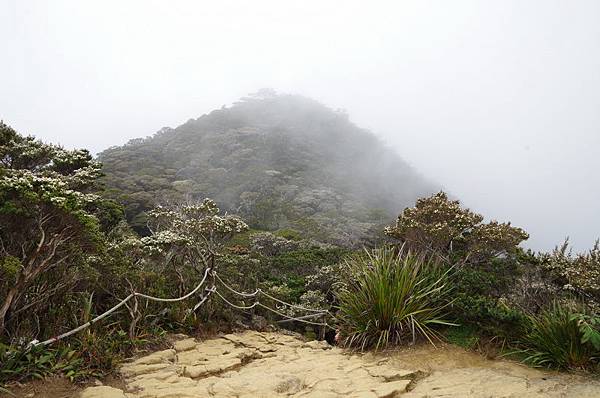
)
(439, 224)
(578, 273)
(47, 216)
(190, 235)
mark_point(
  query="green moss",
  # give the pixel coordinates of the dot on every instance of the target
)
(462, 336)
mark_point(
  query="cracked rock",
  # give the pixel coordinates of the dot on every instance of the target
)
(254, 364)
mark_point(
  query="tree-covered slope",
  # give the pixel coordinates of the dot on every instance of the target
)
(280, 161)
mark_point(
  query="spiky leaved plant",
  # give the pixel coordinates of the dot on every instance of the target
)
(394, 296)
(560, 337)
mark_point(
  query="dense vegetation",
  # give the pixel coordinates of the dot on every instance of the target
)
(77, 237)
(278, 161)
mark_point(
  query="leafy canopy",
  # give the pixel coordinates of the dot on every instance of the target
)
(439, 224)
(48, 215)
(190, 235)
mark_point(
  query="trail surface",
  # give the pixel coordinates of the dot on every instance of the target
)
(254, 364)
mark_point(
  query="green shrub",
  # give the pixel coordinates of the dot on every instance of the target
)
(289, 233)
(306, 261)
(561, 338)
(480, 302)
(392, 297)
(21, 364)
(490, 316)
(463, 336)
(439, 224)
(575, 273)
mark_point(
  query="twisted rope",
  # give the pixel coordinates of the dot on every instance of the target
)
(266, 307)
(209, 292)
(260, 291)
(119, 305)
(239, 307)
(294, 305)
(235, 291)
(213, 289)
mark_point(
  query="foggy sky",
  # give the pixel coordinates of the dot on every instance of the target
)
(497, 101)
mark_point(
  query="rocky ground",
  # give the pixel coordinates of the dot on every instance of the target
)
(254, 364)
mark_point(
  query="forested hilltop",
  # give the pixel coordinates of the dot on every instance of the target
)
(69, 259)
(279, 161)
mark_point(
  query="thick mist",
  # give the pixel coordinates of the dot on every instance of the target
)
(497, 102)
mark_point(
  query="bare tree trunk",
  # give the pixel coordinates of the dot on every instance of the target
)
(134, 312)
(6, 306)
(135, 317)
(181, 280)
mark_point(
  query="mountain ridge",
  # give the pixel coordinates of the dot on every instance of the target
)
(280, 161)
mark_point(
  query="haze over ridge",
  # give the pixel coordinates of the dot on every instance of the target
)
(279, 161)
(497, 102)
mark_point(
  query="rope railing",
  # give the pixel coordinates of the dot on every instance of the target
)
(294, 305)
(235, 291)
(239, 307)
(292, 318)
(209, 291)
(119, 305)
(309, 316)
(266, 307)
(257, 303)
(260, 291)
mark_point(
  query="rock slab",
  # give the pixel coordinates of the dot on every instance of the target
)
(254, 364)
